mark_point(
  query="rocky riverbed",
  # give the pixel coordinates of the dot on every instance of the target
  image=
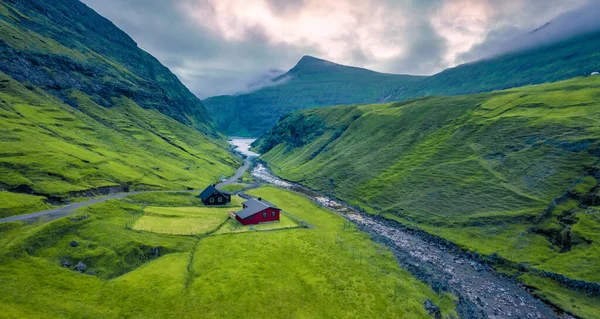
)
(481, 292)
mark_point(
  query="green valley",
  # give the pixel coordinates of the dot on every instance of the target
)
(397, 202)
(298, 272)
(511, 175)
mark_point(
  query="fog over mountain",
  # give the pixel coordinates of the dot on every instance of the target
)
(569, 24)
(223, 46)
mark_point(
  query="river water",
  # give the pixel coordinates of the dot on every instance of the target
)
(242, 145)
(482, 293)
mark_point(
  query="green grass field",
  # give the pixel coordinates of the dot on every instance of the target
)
(195, 220)
(14, 204)
(196, 225)
(233, 226)
(232, 188)
(300, 273)
(478, 170)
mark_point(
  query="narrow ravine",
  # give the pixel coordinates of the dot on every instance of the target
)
(481, 292)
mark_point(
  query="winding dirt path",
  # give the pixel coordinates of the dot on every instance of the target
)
(69, 209)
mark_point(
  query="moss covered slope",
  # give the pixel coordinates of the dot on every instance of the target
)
(510, 174)
(51, 149)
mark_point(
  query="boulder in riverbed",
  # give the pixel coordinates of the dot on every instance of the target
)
(432, 309)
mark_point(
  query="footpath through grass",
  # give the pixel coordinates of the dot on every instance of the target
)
(299, 273)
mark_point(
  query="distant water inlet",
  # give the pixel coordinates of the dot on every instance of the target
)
(242, 145)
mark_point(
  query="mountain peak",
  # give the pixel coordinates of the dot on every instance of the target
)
(311, 61)
(310, 64)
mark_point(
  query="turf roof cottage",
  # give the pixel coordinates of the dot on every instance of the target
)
(212, 196)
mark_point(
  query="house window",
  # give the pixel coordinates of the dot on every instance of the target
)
(212, 200)
(273, 214)
(264, 215)
(250, 218)
(220, 199)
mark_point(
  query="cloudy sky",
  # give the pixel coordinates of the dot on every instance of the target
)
(228, 46)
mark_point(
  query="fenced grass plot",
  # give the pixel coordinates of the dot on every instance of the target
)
(181, 220)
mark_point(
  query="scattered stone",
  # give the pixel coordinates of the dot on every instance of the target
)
(155, 252)
(479, 301)
(91, 273)
(80, 267)
(432, 309)
(66, 263)
(74, 243)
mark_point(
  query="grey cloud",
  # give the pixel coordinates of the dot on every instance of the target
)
(425, 52)
(205, 62)
(511, 39)
(211, 65)
(285, 7)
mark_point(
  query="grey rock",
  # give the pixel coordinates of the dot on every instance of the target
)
(66, 263)
(80, 267)
(74, 243)
(432, 309)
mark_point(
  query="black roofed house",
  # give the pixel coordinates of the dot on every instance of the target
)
(212, 196)
(257, 211)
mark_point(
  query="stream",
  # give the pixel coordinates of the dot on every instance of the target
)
(481, 292)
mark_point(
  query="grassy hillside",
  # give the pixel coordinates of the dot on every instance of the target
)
(65, 45)
(299, 273)
(510, 174)
(51, 151)
(84, 111)
(312, 82)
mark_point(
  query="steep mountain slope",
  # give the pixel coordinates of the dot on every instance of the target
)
(577, 56)
(50, 151)
(312, 82)
(512, 174)
(83, 110)
(65, 45)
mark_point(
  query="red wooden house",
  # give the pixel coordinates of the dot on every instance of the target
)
(256, 211)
